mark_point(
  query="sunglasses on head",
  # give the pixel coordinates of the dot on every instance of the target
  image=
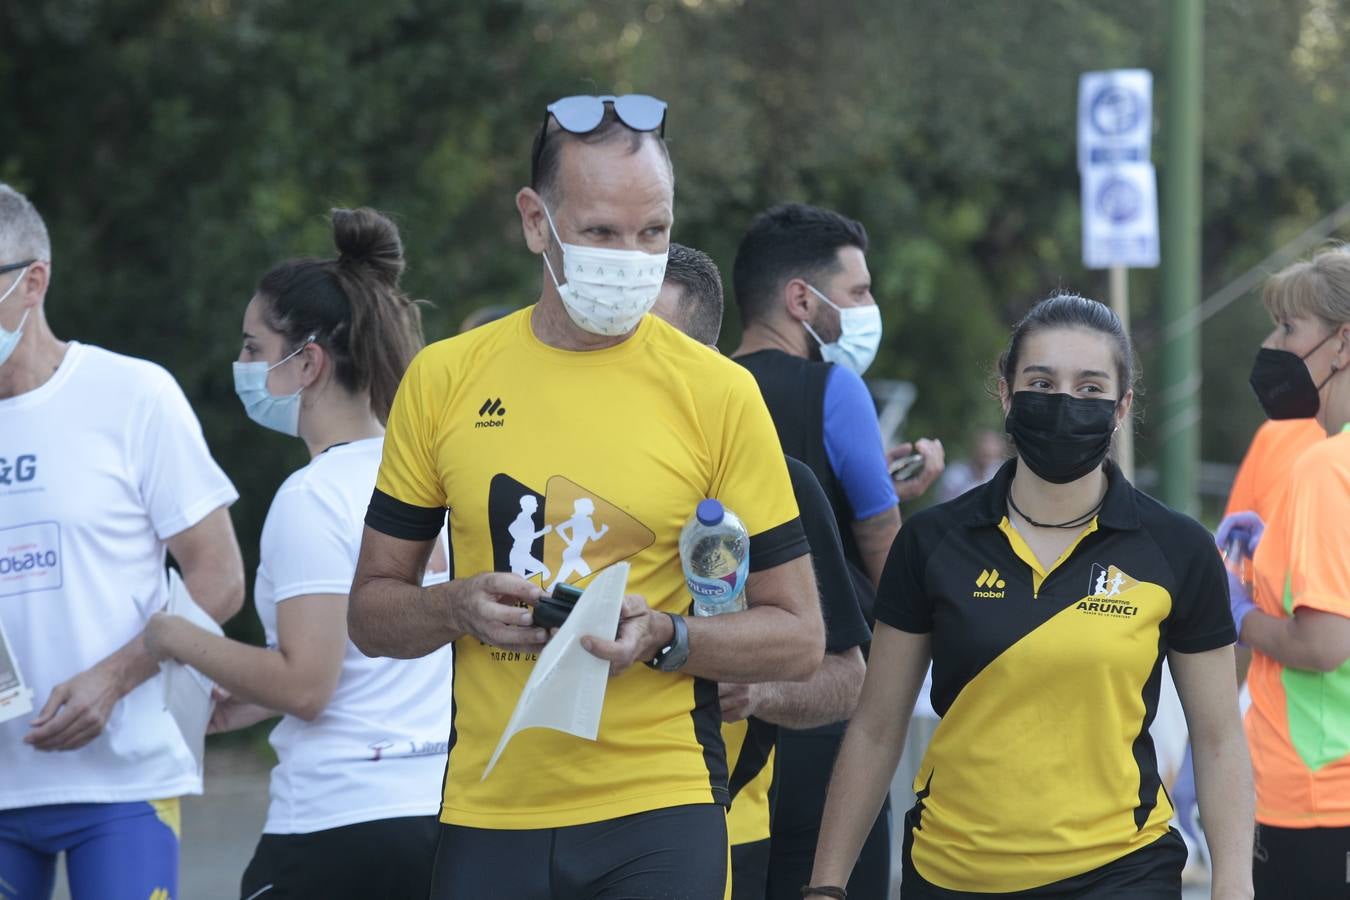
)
(583, 113)
(18, 265)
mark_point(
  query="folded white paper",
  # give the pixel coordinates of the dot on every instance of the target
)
(15, 697)
(566, 690)
(187, 692)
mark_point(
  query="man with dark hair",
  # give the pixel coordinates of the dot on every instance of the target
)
(691, 296)
(691, 300)
(810, 328)
(602, 428)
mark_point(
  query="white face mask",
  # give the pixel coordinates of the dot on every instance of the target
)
(859, 335)
(268, 410)
(10, 339)
(607, 291)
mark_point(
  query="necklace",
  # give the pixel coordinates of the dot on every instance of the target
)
(1075, 522)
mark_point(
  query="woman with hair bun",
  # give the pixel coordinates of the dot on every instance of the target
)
(361, 742)
(1047, 600)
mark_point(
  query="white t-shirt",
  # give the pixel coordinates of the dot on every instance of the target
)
(98, 468)
(377, 751)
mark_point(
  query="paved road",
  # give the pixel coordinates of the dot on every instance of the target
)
(221, 827)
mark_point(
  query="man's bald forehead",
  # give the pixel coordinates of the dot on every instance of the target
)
(646, 169)
(557, 142)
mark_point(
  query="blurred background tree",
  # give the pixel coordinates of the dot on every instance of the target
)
(178, 148)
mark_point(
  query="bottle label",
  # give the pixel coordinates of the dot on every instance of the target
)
(718, 590)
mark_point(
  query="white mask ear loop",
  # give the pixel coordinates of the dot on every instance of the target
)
(289, 356)
(309, 340)
(828, 302)
(556, 239)
(811, 331)
(12, 287)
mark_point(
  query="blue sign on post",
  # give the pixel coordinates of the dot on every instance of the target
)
(1120, 216)
(1115, 116)
(1120, 194)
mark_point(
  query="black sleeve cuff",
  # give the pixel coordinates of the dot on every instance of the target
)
(1212, 641)
(838, 639)
(901, 622)
(403, 520)
(778, 545)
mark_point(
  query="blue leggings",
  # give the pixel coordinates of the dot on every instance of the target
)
(114, 851)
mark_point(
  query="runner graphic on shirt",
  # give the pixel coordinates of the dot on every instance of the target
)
(524, 543)
(523, 537)
(1111, 590)
(1108, 582)
(576, 532)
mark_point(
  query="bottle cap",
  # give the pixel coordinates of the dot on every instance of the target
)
(709, 512)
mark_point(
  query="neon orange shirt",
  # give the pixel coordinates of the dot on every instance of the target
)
(1264, 473)
(1298, 726)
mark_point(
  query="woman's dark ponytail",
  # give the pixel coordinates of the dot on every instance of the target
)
(353, 305)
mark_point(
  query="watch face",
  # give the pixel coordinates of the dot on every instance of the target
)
(675, 659)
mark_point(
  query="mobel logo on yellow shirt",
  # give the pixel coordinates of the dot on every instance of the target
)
(492, 414)
(564, 535)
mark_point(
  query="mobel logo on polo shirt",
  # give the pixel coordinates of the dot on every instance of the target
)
(989, 585)
(492, 414)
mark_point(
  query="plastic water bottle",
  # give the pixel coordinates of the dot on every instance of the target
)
(715, 552)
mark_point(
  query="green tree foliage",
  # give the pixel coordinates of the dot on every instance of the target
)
(178, 148)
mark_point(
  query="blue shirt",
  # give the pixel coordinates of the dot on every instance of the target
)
(853, 444)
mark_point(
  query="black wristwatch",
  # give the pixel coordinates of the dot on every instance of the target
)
(673, 656)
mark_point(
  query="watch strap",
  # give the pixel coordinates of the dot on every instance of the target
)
(674, 654)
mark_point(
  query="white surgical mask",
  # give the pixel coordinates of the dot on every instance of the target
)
(607, 291)
(10, 339)
(277, 413)
(859, 335)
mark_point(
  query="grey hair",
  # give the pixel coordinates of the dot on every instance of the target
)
(23, 234)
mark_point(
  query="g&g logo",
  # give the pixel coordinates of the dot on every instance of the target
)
(23, 470)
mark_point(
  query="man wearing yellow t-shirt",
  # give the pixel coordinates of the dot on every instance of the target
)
(569, 436)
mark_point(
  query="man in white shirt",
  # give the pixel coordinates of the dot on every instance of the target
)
(103, 468)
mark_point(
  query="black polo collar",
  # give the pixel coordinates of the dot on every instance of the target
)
(1119, 509)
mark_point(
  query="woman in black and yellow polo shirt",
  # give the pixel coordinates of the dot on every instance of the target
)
(1047, 601)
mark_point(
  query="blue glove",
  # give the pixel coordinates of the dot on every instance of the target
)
(1239, 602)
(1244, 525)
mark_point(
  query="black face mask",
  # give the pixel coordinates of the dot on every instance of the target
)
(1283, 384)
(1060, 438)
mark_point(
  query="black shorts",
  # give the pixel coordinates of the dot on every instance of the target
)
(678, 853)
(1301, 862)
(383, 858)
(1149, 873)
